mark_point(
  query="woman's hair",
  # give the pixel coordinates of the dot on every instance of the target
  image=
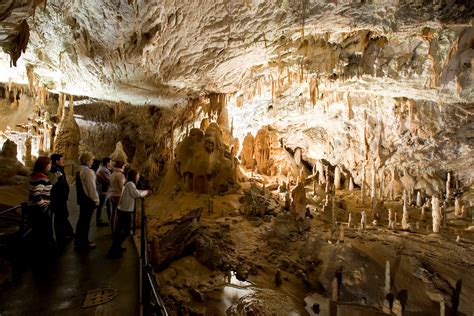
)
(41, 163)
(85, 157)
(132, 175)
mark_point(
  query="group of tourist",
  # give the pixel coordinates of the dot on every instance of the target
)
(107, 187)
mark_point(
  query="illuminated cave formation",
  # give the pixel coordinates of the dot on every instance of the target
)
(303, 155)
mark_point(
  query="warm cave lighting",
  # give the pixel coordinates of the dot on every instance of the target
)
(20, 139)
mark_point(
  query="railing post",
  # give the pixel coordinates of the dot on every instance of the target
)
(24, 216)
(143, 253)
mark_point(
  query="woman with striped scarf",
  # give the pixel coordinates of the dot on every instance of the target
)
(40, 217)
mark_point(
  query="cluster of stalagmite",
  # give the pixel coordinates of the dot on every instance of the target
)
(204, 163)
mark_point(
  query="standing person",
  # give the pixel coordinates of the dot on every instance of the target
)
(103, 181)
(117, 181)
(39, 198)
(125, 210)
(59, 197)
(88, 200)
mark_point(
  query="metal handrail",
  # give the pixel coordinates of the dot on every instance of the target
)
(11, 209)
(24, 213)
(149, 285)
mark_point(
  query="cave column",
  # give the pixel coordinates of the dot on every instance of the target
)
(405, 216)
(436, 213)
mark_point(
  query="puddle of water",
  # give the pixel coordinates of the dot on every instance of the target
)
(234, 291)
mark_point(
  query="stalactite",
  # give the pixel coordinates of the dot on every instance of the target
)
(366, 144)
(362, 190)
(240, 101)
(61, 104)
(71, 105)
(373, 182)
(259, 87)
(337, 178)
(44, 92)
(273, 91)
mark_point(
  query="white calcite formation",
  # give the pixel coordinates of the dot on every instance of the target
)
(436, 213)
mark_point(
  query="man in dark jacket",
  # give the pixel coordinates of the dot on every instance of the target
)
(59, 197)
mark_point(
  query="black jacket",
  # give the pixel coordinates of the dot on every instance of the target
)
(60, 190)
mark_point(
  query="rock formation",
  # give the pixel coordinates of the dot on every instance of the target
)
(11, 170)
(203, 159)
(68, 136)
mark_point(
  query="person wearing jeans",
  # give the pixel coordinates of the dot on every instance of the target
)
(125, 210)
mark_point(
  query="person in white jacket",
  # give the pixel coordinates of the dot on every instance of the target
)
(88, 200)
(125, 210)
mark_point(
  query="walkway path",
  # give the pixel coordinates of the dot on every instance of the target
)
(61, 289)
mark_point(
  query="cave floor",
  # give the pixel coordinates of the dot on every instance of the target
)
(60, 289)
(424, 265)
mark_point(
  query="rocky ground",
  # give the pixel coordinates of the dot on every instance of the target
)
(249, 256)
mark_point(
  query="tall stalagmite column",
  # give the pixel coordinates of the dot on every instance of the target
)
(436, 213)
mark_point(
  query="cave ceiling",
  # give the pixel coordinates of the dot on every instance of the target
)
(161, 52)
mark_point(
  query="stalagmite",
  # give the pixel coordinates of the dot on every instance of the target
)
(349, 221)
(423, 213)
(397, 308)
(448, 186)
(419, 202)
(391, 219)
(362, 190)
(387, 278)
(445, 215)
(442, 309)
(326, 173)
(457, 206)
(351, 184)
(436, 213)
(363, 220)
(320, 169)
(337, 178)
(335, 289)
(372, 183)
(405, 216)
(314, 180)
